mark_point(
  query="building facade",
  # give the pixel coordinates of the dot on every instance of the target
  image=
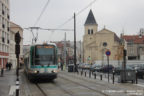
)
(135, 46)
(96, 43)
(14, 28)
(4, 32)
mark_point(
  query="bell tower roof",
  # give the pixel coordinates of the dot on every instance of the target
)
(90, 19)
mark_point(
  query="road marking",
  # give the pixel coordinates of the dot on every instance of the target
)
(141, 85)
(12, 90)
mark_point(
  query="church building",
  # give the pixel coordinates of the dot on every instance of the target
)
(96, 43)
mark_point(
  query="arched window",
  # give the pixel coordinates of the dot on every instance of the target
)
(91, 31)
(88, 31)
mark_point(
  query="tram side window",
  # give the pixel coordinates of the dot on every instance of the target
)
(32, 57)
(26, 61)
(55, 57)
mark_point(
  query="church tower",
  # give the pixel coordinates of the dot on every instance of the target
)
(91, 25)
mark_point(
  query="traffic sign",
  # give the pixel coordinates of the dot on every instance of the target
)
(108, 53)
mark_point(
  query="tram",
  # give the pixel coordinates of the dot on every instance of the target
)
(41, 62)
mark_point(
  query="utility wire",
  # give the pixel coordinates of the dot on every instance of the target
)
(90, 4)
(42, 13)
(39, 28)
(52, 30)
(86, 7)
(77, 14)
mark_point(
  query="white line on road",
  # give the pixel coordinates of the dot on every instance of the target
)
(12, 90)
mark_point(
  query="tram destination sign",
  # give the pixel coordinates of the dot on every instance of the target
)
(45, 46)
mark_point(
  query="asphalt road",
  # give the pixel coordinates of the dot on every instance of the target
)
(73, 84)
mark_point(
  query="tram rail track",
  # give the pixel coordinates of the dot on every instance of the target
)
(41, 90)
(31, 87)
(113, 88)
(64, 90)
(100, 92)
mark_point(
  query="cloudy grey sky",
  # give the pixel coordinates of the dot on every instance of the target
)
(116, 15)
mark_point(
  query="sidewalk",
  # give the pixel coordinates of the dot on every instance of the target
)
(129, 88)
(7, 83)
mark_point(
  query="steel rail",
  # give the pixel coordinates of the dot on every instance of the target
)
(85, 86)
(89, 87)
(42, 91)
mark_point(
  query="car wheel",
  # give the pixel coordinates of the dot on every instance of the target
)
(142, 76)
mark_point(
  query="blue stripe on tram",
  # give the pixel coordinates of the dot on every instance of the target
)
(44, 66)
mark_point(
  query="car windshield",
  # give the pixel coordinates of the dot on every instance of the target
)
(96, 65)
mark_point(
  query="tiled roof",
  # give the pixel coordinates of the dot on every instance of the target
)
(90, 19)
(59, 45)
(134, 38)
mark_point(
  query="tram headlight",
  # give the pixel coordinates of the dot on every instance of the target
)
(55, 71)
(33, 71)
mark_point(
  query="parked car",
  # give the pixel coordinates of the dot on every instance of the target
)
(87, 66)
(84, 66)
(81, 65)
(107, 68)
(95, 67)
(118, 69)
(140, 72)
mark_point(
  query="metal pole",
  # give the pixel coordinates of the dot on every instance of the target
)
(113, 77)
(83, 52)
(17, 70)
(124, 65)
(17, 80)
(136, 78)
(80, 51)
(75, 42)
(65, 52)
(108, 67)
(2, 69)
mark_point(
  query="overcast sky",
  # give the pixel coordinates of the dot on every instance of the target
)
(116, 15)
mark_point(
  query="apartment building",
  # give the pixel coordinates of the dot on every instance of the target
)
(4, 32)
(135, 46)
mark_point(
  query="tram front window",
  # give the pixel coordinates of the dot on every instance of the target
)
(44, 56)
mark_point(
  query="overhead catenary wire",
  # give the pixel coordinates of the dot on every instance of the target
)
(71, 18)
(38, 19)
(58, 28)
(43, 10)
(40, 28)
(90, 4)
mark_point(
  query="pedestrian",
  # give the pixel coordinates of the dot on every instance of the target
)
(10, 65)
(61, 65)
(7, 65)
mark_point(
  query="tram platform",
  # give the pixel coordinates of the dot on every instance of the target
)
(7, 83)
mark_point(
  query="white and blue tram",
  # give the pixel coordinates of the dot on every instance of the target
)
(41, 62)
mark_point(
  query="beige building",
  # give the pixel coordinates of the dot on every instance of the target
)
(96, 43)
(14, 28)
(4, 32)
(135, 46)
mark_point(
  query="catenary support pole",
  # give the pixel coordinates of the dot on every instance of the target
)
(75, 43)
